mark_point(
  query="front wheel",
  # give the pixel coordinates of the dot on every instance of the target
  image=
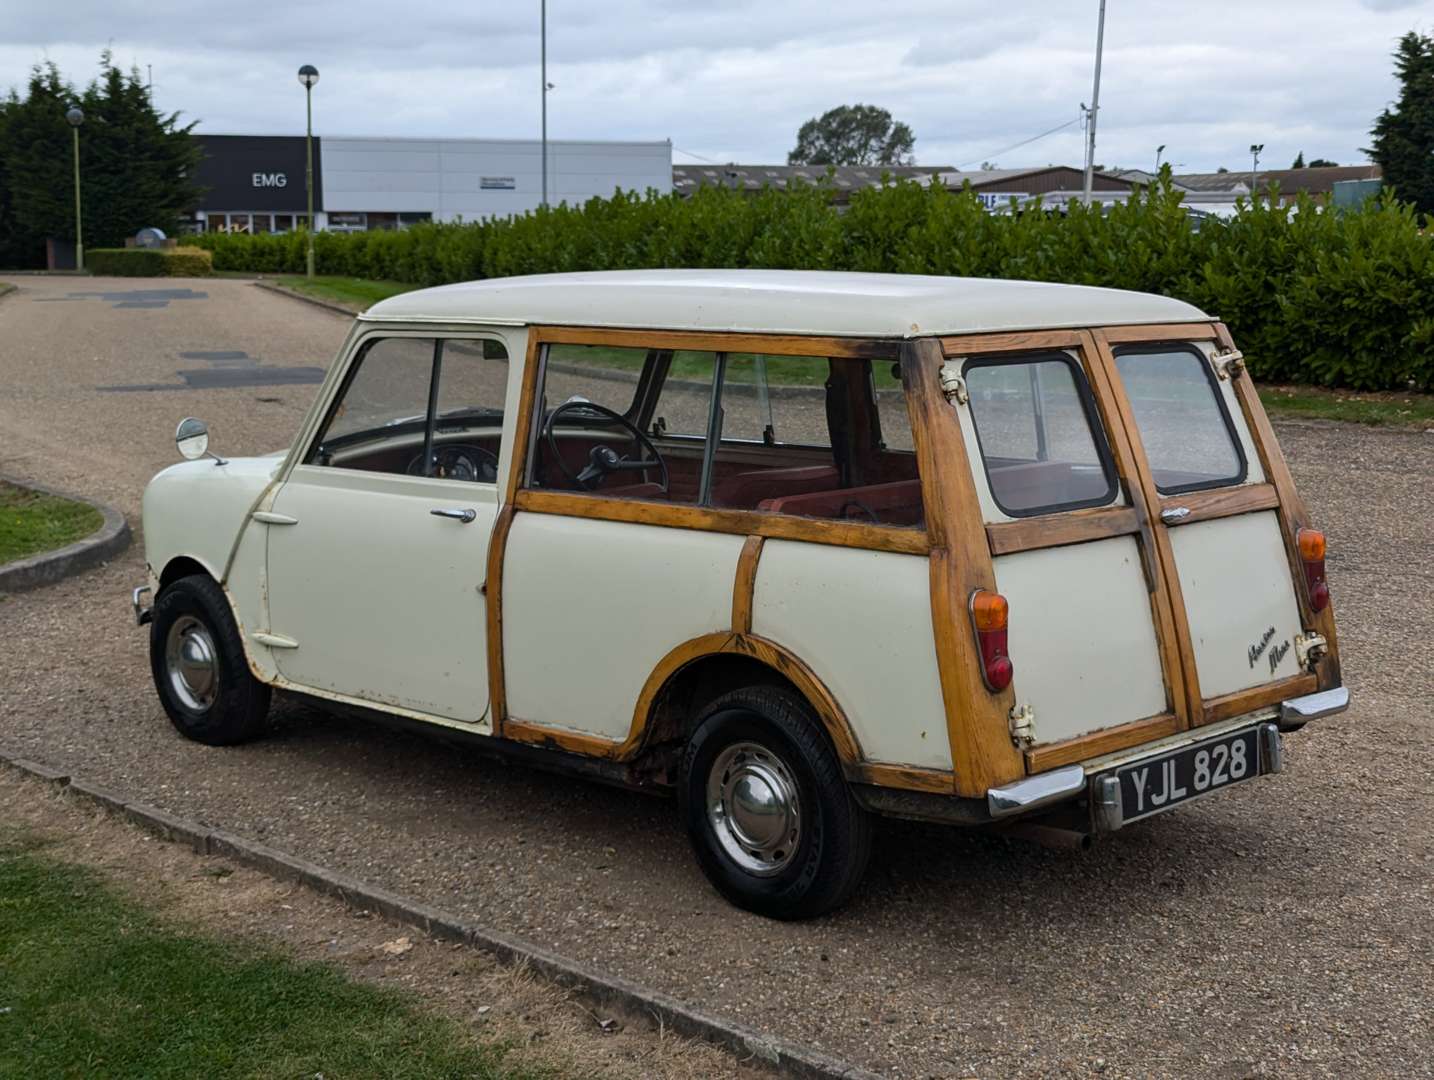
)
(199, 665)
(765, 804)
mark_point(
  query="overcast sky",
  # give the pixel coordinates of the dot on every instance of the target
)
(732, 80)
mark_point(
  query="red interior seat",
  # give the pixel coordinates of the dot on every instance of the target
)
(897, 503)
(747, 489)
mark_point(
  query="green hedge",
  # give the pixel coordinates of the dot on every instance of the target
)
(150, 262)
(1313, 296)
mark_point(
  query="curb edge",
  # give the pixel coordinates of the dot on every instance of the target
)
(36, 571)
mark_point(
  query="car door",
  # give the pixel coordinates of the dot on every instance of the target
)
(378, 538)
(1221, 515)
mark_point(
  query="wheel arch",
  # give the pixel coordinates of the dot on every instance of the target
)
(698, 669)
(181, 566)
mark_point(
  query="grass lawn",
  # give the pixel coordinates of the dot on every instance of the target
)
(358, 293)
(1400, 410)
(31, 522)
(95, 986)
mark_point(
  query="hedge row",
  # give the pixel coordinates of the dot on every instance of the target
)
(150, 262)
(1335, 299)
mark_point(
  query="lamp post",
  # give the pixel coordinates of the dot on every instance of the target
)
(1255, 149)
(543, 73)
(308, 76)
(1158, 151)
(76, 117)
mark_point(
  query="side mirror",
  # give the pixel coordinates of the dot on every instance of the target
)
(192, 438)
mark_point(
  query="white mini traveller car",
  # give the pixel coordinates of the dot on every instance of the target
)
(804, 547)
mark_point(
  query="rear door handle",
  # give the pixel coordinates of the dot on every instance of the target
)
(1172, 515)
(465, 516)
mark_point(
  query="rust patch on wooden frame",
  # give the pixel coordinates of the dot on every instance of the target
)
(1104, 741)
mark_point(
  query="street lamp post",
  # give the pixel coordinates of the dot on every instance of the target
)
(1158, 151)
(76, 117)
(543, 73)
(1255, 149)
(308, 76)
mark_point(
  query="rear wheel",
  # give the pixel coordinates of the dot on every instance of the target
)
(199, 666)
(765, 804)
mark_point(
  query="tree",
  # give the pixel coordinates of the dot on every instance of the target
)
(137, 166)
(1299, 162)
(853, 135)
(1404, 135)
(1323, 163)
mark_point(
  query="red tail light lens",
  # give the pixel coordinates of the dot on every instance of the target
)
(1312, 546)
(989, 616)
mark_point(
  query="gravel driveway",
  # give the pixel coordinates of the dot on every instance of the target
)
(1285, 929)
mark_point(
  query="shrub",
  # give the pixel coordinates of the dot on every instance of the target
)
(1313, 295)
(149, 262)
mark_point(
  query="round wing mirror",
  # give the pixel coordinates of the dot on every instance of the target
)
(192, 438)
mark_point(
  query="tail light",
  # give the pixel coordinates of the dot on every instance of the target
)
(1311, 543)
(989, 616)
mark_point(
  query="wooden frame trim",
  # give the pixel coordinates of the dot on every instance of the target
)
(1124, 335)
(855, 534)
(767, 652)
(1105, 741)
(902, 777)
(744, 585)
(1167, 603)
(1059, 529)
(710, 341)
(1293, 514)
(1213, 503)
(552, 738)
(1018, 341)
(977, 720)
(1258, 697)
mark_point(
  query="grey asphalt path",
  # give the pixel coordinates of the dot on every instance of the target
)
(1284, 929)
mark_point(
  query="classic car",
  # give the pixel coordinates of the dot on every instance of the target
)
(801, 548)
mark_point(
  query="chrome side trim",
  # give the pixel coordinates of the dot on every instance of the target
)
(1035, 791)
(1314, 706)
(274, 641)
(142, 614)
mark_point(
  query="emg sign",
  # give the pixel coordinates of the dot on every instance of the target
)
(271, 180)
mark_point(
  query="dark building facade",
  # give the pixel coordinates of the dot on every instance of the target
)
(255, 183)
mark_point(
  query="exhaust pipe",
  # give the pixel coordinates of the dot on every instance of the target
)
(1051, 836)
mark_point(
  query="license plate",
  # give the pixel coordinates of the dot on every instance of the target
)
(1156, 784)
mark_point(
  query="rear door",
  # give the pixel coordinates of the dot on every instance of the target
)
(1072, 549)
(1220, 513)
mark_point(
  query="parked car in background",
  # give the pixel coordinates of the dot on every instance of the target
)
(801, 548)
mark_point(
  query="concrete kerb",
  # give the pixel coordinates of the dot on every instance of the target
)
(48, 567)
(608, 991)
(327, 305)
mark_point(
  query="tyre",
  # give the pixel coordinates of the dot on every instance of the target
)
(762, 795)
(199, 666)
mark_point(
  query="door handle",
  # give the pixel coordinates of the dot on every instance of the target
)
(1172, 515)
(465, 516)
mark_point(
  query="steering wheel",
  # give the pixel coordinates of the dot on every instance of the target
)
(458, 461)
(602, 459)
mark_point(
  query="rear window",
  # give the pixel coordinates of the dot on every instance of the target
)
(1188, 435)
(1035, 422)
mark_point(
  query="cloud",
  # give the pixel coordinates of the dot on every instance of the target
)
(734, 79)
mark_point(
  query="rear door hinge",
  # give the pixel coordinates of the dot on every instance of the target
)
(952, 384)
(1228, 363)
(1309, 648)
(1023, 725)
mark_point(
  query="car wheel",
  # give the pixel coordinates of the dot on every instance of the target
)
(761, 792)
(199, 665)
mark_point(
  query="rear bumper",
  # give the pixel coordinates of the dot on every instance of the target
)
(1301, 710)
(1022, 797)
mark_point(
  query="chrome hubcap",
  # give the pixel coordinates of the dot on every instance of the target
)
(753, 808)
(192, 663)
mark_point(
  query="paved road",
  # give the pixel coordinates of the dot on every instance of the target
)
(1284, 929)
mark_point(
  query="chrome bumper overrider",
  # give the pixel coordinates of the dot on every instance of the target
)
(1022, 796)
(142, 614)
(1300, 710)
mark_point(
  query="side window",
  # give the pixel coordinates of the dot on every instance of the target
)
(382, 421)
(817, 437)
(1188, 436)
(622, 422)
(1036, 426)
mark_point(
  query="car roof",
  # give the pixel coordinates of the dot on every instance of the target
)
(781, 302)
